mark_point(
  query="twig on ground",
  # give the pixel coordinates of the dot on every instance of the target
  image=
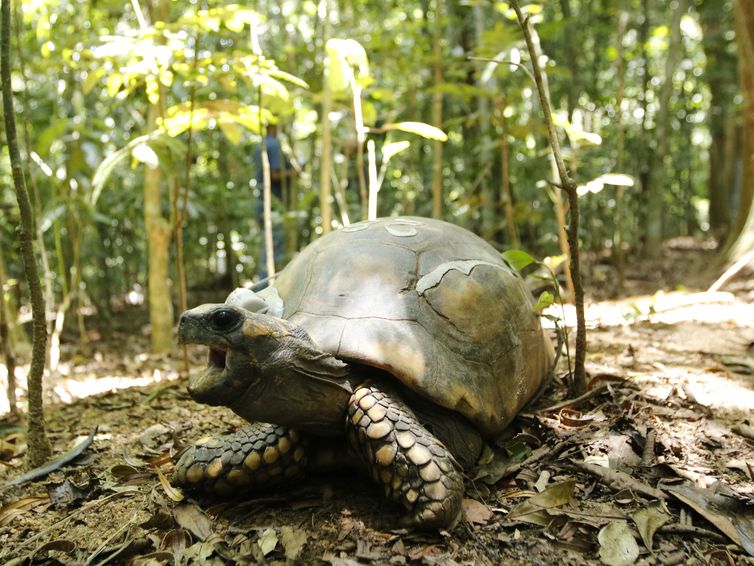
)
(620, 480)
(648, 455)
(101, 547)
(576, 401)
(679, 529)
(732, 271)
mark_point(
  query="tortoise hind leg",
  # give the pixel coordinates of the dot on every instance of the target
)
(257, 455)
(413, 466)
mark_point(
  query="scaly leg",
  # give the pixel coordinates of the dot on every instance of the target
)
(413, 466)
(257, 455)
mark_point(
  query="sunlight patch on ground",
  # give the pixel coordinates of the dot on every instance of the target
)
(705, 388)
(663, 308)
(69, 389)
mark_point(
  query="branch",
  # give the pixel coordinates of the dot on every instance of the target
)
(505, 62)
(39, 445)
(578, 382)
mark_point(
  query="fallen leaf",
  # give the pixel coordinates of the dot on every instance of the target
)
(174, 493)
(744, 429)
(534, 510)
(158, 520)
(649, 519)
(149, 435)
(476, 512)
(176, 542)
(293, 541)
(492, 466)
(618, 546)
(60, 545)
(739, 364)
(573, 418)
(267, 542)
(542, 481)
(23, 505)
(153, 559)
(728, 514)
(199, 552)
(191, 518)
(421, 553)
(12, 446)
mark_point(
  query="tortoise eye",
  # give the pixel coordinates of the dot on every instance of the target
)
(224, 319)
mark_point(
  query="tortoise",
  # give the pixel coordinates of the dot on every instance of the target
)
(410, 338)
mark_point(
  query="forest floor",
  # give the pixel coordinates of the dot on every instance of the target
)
(655, 467)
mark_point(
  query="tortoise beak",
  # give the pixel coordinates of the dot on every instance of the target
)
(209, 384)
(189, 328)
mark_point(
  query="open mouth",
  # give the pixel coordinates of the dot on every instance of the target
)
(216, 359)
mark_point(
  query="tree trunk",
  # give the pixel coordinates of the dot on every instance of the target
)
(437, 192)
(645, 149)
(159, 232)
(36, 202)
(506, 193)
(39, 445)
(325, 156)
(620, 69)
(572, 57)
(657, 177)
(722, 77)
(741, 240)
(6, 341)
(158, 245)
(488, 212)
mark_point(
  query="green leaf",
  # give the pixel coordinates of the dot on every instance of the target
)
(108, 164)
(238, 17)
(91, 79)
(145, 154)
(418, 128)
(49, 218)
(391, 149)
(232, 131)
(598, 183)
(113, 83)
(518, 259)
(283, 76)
(545, 300)
(53, 132)
(619, 179)
(181, 117)
(346, 62)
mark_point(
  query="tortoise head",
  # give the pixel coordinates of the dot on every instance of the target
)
(264, 368)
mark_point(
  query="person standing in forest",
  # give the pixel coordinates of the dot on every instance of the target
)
(280, 173)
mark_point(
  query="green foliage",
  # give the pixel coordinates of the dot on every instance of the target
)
(92, 71)
(418, 128)
(518, 259)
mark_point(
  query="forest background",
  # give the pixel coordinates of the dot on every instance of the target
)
(140, 123)
(140, 128)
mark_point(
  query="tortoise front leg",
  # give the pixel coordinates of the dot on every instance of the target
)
(413, 466)
(257, 455)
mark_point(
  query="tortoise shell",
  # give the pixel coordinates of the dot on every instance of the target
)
(429, 302)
